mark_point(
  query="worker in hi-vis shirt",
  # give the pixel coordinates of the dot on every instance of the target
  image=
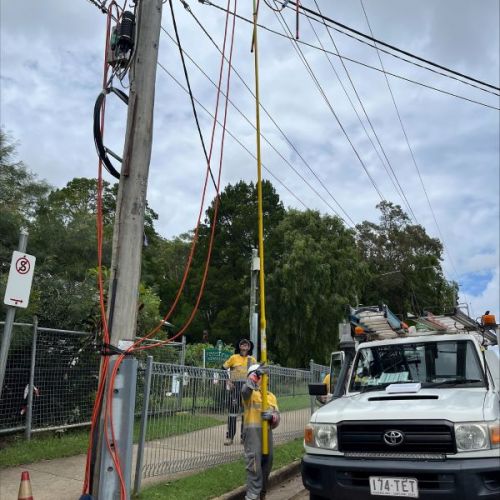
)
(237, 365)
(327, 398)
(258, 466)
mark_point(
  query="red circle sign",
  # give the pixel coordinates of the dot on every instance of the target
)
(22, 265)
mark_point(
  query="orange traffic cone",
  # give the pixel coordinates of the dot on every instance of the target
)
(25, 487)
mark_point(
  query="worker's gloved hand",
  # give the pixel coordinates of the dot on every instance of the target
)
(267, 415)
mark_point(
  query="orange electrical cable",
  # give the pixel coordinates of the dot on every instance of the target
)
(100, 280)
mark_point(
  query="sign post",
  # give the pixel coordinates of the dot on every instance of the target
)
(17, 294)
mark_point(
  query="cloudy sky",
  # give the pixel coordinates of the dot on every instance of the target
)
(51, 71)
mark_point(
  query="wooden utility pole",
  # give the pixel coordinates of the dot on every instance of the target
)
(127, 245)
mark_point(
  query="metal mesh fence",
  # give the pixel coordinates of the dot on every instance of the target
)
(187, 417)
(13, 402)
(66, 377)
(60, 393)
(187, 407)
(318, 372)
(65, 368)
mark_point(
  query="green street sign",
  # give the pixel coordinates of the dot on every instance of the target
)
(216, 356)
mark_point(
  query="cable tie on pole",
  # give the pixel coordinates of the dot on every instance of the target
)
(111, 350)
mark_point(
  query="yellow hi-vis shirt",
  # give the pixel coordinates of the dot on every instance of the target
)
(252, 408)
(326, 381)
(239, 365)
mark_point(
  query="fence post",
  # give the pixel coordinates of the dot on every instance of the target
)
(144, 425)
(31, 384)
(183, 351)
(195, 385)
(311, 368)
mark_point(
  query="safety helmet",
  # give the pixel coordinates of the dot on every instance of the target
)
(256, 367)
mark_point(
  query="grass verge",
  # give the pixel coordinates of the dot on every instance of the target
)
(218, 480)
(290, 403)
(16, 450)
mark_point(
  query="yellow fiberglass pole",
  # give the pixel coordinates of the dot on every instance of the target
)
(263, 340)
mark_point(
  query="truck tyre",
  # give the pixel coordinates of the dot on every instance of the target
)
(312, 496)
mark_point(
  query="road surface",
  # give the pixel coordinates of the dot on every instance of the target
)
(291, 489)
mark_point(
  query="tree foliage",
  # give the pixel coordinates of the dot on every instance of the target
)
(317, 274)
(224, 307)
(405, 264)
(314, 265)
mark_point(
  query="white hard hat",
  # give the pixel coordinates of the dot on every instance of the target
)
(253, 368)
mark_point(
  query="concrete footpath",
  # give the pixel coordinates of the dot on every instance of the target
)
(164, 460)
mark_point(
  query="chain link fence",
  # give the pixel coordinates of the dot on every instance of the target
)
(51, 378)
(185, 418)
(318, 372)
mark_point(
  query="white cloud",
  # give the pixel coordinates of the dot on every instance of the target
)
(489, 299)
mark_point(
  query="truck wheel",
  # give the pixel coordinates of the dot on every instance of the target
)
(315, 497)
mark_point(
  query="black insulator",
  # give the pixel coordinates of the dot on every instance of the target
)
(126, 31)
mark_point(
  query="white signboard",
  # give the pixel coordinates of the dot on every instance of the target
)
(21, 271)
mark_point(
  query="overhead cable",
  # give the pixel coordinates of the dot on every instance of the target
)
(303, 58)
(411, 150)
(193, 106)
(355, 61)
(371, 38)
(268, 114)
(209, 113)
(245, 117)
(395, 181)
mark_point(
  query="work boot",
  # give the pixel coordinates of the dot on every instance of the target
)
(228, 441)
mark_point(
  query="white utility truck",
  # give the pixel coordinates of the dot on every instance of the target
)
(414, 411)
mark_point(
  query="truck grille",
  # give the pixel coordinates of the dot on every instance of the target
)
(431, 436)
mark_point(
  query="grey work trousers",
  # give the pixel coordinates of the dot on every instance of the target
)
(258, 466)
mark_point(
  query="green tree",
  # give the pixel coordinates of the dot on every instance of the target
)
(404, 263)
(20, 196)
(224, 307)
(317, 274)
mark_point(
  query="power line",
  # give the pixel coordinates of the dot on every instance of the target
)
(377, 43)
(411, 149)
(188, 91)
(267, 140)
(292, 145)
(195, 114)
(354, 61)
(327, 101)
(395, 181)
(209, 113)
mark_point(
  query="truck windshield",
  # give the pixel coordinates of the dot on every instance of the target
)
(433, 364)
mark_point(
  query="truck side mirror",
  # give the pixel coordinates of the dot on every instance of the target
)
(318, 390)
(336, 361)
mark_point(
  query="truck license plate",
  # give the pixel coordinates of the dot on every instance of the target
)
(394, 486)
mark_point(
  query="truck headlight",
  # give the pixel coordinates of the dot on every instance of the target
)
(321, 436)
(472, 436)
